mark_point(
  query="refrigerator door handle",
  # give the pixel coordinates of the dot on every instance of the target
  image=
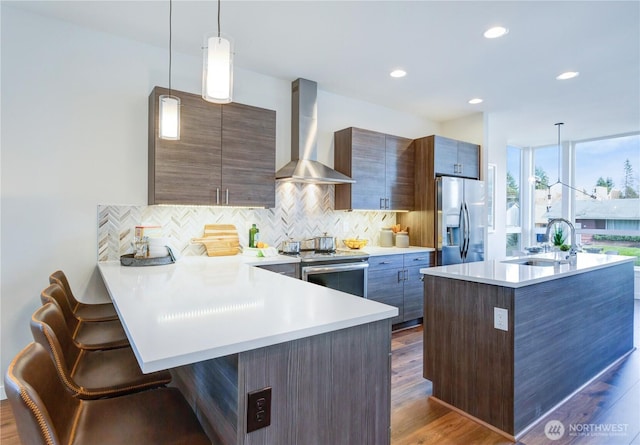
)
(467, 230)
(461, 222)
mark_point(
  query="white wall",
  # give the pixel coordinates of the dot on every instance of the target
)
(468, 129)
(74, 121)
(495, 152)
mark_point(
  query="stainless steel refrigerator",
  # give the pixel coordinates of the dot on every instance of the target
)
(461, 219)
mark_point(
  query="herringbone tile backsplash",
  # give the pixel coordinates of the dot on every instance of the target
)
(302, 211)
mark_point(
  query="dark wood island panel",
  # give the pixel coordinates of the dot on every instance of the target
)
(562, 333)
(332, 388)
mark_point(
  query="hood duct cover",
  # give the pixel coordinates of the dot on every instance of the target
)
(304, 140)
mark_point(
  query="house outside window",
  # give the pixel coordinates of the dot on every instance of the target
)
(607, 199)
(601, 188)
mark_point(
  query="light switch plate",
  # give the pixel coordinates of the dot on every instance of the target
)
(500, 318)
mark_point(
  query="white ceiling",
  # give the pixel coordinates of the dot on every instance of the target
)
(349, 48)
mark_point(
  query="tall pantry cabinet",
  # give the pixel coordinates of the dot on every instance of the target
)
(435, 156)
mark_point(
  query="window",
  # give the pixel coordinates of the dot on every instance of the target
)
(606, 202)
(547, 198)
(514, 214)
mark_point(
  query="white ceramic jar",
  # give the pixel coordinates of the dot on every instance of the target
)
(402, 239)
(386, 238)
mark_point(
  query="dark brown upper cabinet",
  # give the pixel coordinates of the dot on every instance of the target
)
(382, 166)
(225, 155)
(454, 158)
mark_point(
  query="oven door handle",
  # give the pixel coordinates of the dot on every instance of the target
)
(312, 270)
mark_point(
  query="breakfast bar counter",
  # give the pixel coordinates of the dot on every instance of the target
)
(226, 328)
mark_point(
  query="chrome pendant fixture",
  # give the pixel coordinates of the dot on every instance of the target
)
(217, 69)
(169, 106)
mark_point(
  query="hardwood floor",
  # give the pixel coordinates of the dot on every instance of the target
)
(611, 401)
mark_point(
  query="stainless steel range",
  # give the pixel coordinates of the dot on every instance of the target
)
(343, 270)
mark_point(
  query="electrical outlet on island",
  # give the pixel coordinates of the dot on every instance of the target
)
(500, 318)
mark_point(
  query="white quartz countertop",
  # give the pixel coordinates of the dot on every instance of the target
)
(201, 308)
(510, 274)
(377, 250)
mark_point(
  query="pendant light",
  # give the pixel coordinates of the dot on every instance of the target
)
(590, 195)
(169, 115)
(217, 70)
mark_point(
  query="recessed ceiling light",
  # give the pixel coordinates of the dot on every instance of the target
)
(495, 32)
(398, 73)
(568, 75)
(475, 101)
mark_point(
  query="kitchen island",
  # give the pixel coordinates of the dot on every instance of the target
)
(225, 329)
(505, 342)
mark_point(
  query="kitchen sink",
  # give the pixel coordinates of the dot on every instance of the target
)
(539, 262)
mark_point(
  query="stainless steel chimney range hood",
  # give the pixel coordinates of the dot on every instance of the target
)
(303, 166)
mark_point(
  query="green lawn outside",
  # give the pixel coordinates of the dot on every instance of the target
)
(622, 250)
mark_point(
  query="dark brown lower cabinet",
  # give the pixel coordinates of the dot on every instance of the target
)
(396, 280)
(291, 269)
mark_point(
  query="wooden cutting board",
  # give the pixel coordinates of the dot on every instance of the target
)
(220, 239)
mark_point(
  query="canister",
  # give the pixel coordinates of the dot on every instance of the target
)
(386, 238)
(402, 239)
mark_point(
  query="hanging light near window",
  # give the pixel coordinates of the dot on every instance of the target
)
(590, 195)
(217, 70)
(169, 114)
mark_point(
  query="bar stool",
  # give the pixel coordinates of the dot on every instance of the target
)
(90, 374)
(83, 311)
(92, 335)
(46, 413)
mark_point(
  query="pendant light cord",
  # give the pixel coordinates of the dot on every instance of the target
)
(218, 18)
(559, 124)
(170, 41)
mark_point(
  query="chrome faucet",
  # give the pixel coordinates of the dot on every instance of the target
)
(574, 247)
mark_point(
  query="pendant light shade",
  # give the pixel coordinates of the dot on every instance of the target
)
(169, 106)
(217, 74)
(217, 67)
(169, 117)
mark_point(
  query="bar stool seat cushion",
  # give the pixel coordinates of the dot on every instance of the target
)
(84, 311)
(47, 413)
(90, 374)
(96, 312)
(101, 335)
(92, 335)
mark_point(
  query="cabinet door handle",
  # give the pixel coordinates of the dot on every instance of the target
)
(400, 276)
(386, 203)
(406, 275)
(217, 195)
(382, 203)
(419, 259)
(460, 168)
(384, 262)
(227, 196)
